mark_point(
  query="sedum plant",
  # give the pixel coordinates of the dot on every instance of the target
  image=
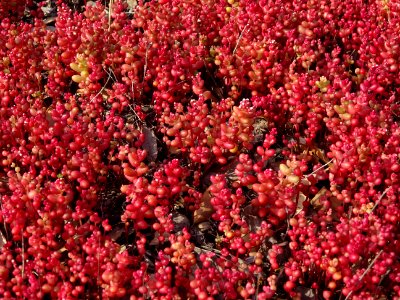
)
(214, 149)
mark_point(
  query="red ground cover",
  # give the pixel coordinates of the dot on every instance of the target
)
(212, 149)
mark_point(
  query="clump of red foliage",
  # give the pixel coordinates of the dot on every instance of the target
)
(213, 149)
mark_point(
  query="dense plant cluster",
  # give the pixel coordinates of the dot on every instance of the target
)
(214, 149)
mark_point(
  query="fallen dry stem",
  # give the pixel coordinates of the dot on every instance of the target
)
(366, 270)
(321, 167)
(380, 199)
(240, 37)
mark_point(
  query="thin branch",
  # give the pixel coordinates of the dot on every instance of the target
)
(371, 264)
(111, 73)
(321, 167)
(380, 199)
(102, 88)
(366, 271)
(110, 4)
(238, 41)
